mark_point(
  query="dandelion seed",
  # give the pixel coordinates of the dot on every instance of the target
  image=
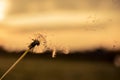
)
(54, 53)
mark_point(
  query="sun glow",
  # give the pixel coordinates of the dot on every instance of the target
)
(3, 6)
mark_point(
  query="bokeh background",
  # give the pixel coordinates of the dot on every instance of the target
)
(86, 29)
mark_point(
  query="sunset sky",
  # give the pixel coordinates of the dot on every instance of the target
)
(68, 25)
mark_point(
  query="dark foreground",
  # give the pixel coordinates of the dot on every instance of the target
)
(97, 65)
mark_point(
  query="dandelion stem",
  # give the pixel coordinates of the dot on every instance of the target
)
(19, 59)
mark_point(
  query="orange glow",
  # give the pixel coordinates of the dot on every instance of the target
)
(68, 27)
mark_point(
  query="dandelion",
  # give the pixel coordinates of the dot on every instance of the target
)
(38, 45)
(39, 41)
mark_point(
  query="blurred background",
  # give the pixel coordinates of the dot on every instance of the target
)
(86, 29)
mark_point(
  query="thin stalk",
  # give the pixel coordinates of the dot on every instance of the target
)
(14, 64)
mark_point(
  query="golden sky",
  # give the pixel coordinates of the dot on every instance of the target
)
(68, 24)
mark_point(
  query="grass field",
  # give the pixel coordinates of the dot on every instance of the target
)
(43, 67)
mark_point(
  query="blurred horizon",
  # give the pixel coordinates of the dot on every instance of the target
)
(95, 65)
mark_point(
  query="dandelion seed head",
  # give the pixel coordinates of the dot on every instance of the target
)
(42, 43)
